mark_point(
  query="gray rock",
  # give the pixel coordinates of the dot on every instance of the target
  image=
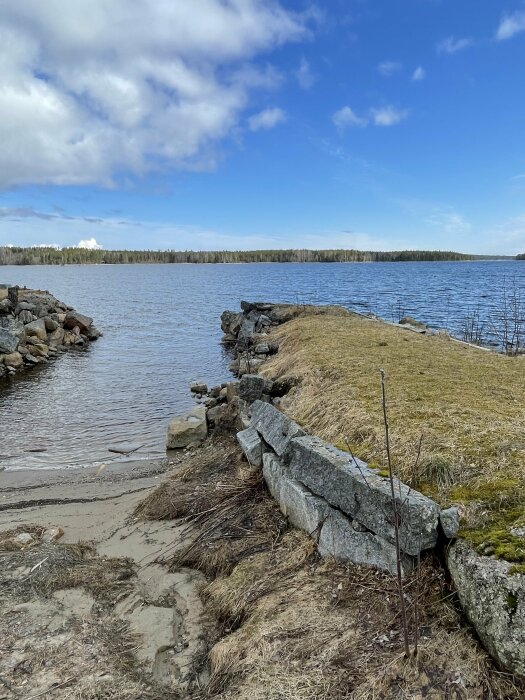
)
(5, 307)
(13, 359)
(341, 540)
(252, 387)
(51, 325)
(246, 333)
(359, 492)
(274, 427)
(56, 337)
(210, 402)
(262, 324)
(26, 317)
(262, 349)
(304, 510)
(199, 388)
(274, 474)
(8, 342)
(215, 414)
(494, 602)
(13, 326)
(37, 328)
(248, 365)
(449, 519)
(73, 318)
(251, 445)
(187, 429)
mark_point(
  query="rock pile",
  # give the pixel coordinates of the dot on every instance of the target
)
(35, 327)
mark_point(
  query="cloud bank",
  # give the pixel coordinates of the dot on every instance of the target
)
(91, 89)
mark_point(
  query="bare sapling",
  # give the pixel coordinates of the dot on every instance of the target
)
(397, 519)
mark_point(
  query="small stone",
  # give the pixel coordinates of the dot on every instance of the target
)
(52, 534)
(24, 538)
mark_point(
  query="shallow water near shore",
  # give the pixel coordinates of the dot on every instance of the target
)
(162, 330)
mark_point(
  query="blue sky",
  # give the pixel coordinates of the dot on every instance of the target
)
(245, 124)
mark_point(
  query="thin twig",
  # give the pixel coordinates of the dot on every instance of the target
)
(396, 518)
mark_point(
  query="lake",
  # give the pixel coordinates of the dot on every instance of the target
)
(161, 330)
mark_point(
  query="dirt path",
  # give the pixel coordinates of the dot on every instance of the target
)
(104, 618)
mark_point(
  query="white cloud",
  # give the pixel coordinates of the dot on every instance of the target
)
(451, 45)
(388, 116)
(267, 119)
(92, 88)
(347, 117)
(388, 68)
(419, 74)
(89, 244)
(449, 221)
(510, 25)
(304, 75)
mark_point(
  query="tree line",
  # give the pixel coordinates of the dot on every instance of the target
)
(78, 256)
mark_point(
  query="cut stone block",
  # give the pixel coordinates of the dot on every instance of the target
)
(274, 427)
(188, 429)
(304, 510)
(341, 540)
(348, 484)
(251, 445)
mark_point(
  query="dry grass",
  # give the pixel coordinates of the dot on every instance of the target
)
(464, 404)
(225, 503)
(45, 568)
(316, 629)
(299, 628)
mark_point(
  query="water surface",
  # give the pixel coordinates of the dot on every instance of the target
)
(161, 330)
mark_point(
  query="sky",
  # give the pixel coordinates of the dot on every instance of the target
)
(247, 124)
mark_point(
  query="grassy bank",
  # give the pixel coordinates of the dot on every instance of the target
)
(457, 413)
(294, 626)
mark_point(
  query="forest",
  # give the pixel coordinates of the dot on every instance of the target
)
(12, 255)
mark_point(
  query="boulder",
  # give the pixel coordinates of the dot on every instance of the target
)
(215, 414)
(413, 324)
(348, 484)
(232, 390)
(493, 599)
(25, 317)
(14, 326)
(187, 429)
(73, 318)
(5, 307)
(13, 359)
(246, 333)
(341, 540)
(262, 349)
(50, 324)
(252, 387)
(40, 350)
(251, 445)
(37, 328)
(198, 388)
(56, 338)
(8, 342)
(247, 365)
(274, 426)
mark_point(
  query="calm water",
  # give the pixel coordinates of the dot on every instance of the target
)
(161, 330)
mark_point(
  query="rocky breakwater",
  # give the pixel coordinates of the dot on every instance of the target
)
(35, 327)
